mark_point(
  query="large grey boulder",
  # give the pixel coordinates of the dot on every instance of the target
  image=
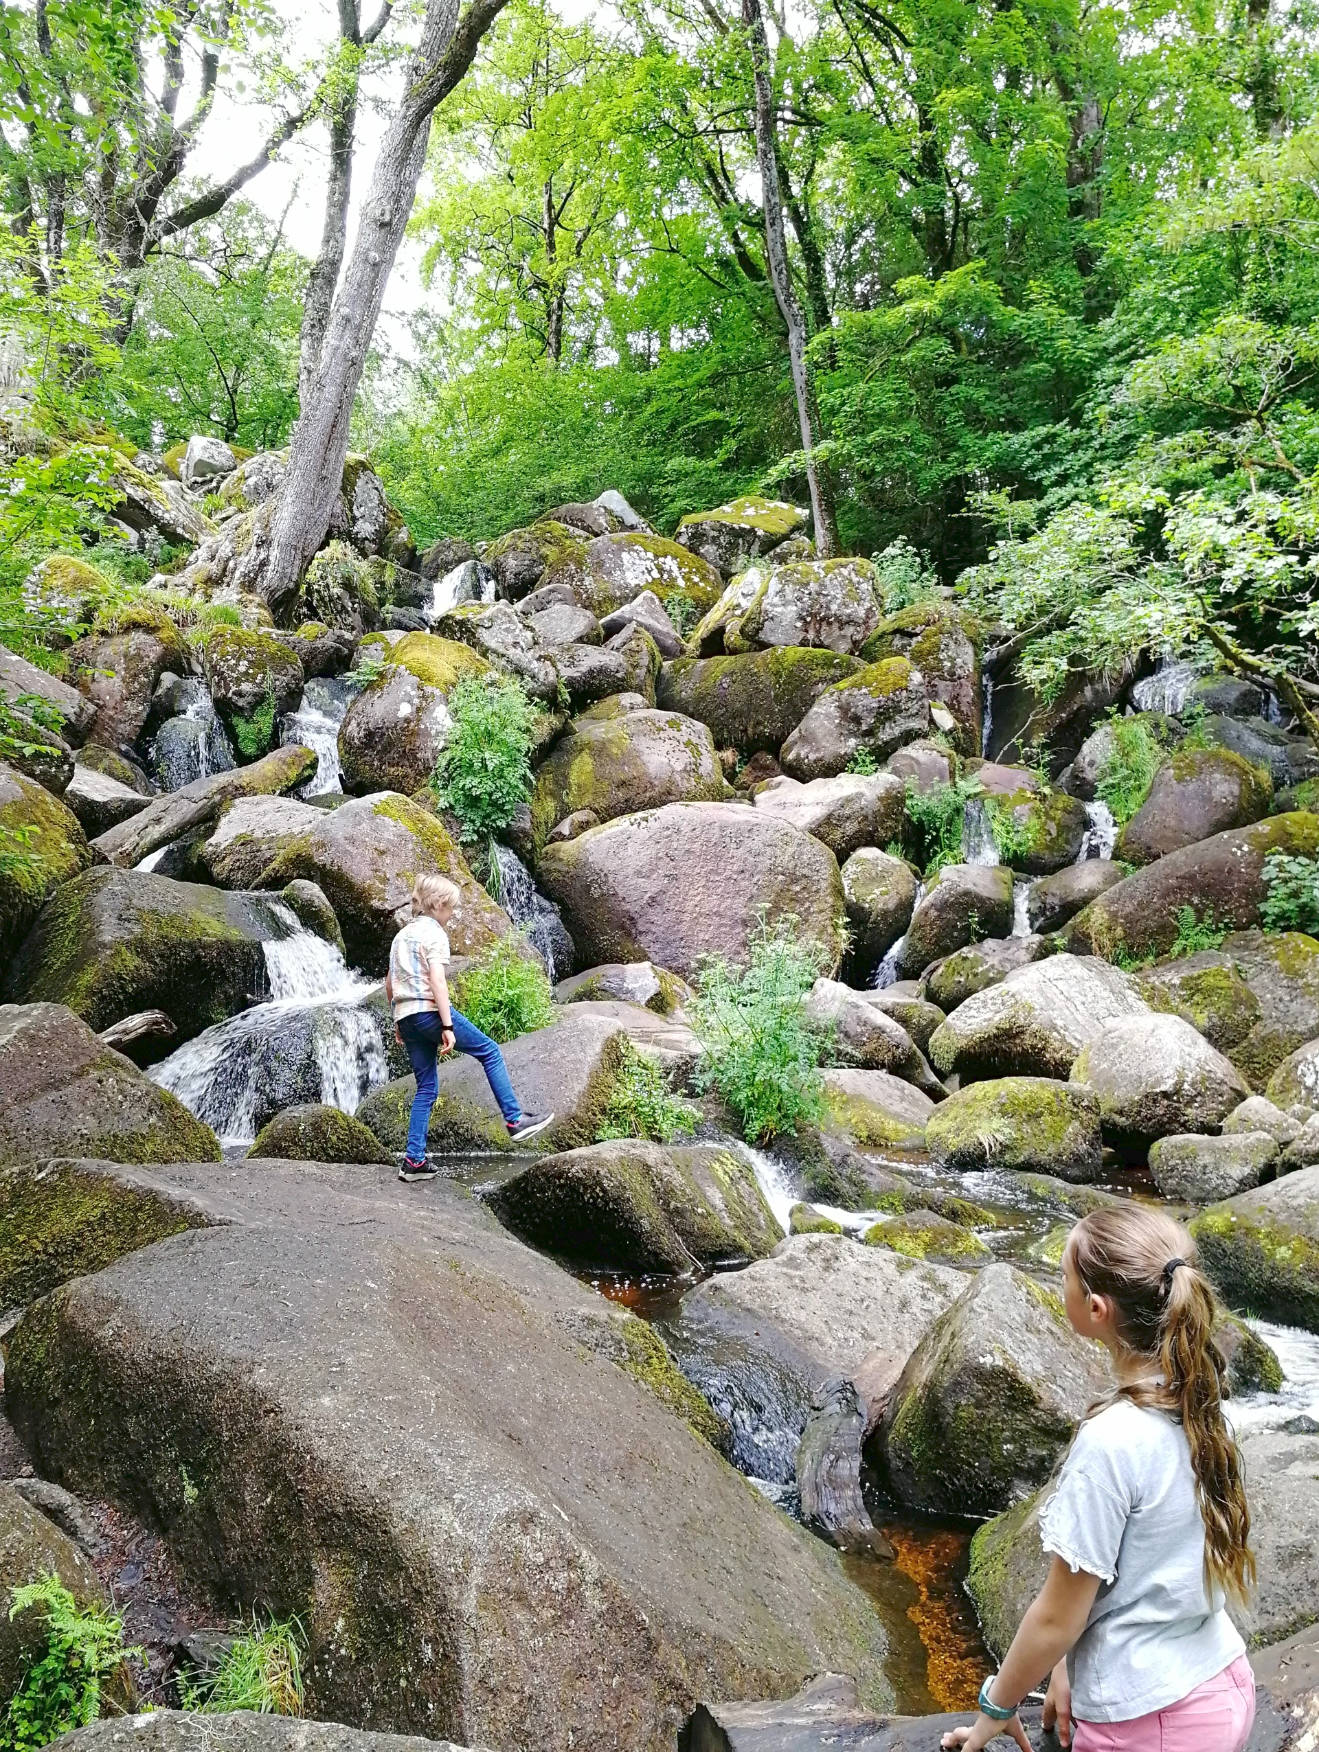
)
(1031, 1125)
(99, 801)
(692, 879)
(875, 1110)
(1295, 1082)
(1155, 1075)
(831, 604)
(623, 566)
(1197, 793)
(1258, 1114)
(942, 641)
(45, 847)
(169, 1730)
(865, 1036)
(118, 671)
(846, 812)
(63, 1092)
(400, 1423)
(632, 1206)
(965, 972)
(1036, 1021)
(20, 679)
(880, 895)
(616, 766)
(965, 903)
(1055, 899)
(754, 702)
(206, 460)
(1262, 1249)
(871, 713)
(1004, 1355)
(1201, 1169)
(742, 530)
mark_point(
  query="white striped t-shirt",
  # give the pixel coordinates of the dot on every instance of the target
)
(417, 945)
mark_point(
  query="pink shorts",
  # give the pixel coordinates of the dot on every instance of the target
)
(1216, 1717)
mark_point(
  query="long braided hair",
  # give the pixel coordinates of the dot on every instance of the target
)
(1146, 1263)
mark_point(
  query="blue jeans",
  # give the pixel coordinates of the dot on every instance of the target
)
(421, 1039)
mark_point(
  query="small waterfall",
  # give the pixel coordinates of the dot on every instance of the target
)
(1274, 713)
(1168, 689)
(774, 1181)
(300, 966)
(886, 974)
(469, 582)
(986, 712)
(1100, 832)
(193, 744)
(1021, 908)
(978, 834)
(532, 912)
(315, 724)
(1298, 1352)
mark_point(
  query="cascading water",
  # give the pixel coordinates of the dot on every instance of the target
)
(774, 1182)
(315, 1039)
(986, 712)
(1021, 907)
(886, 974)
(1100, 832)
(978, 846)
(1168, 689)
(469, 582)
(531, 911)
(193, 743)
(315, 724)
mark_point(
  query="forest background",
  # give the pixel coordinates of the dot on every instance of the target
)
(1058, 264)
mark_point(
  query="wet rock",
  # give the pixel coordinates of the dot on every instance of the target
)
(545, 553)
(629, 982)
(112, 942)
(315, 1133)
(18, 677)
(1038, 831)
(619, 568)
(742, 530)
(965, 903)
(1227, 696)
(873, 712)
(1055, 899)
(634, 1206)
(828, 1471)
(688, 880)
(864, 1036)
(1003, 1353)
(649, 612)
(755, 702)
(45, 847)
(1195, 794)
(903, 1002)
(830, 604)
(167, 1730)
(394, 730)
(1221, 878)
(873, 1109)
(880, 894)
(1262, 1249)
(1032, 1125)
(309, 904)
(444, 556)
(1034, 1023)
(616, 766)
(100, 802)
(846, 812)
(63, 1092)
(324, 1368)
(965, 972)
(118, 671)
(1289, 760)
(1155, 1076)
(804, 1219)
(1258, 1114)
(253, 677)
(1199, 1169)
(923, 1234)
(943, 643)
(364, 856)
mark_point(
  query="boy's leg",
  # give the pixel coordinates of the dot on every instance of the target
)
(421, 1041)
(468, 1038)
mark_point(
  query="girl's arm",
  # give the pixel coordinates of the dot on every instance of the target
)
(440, 990)
(1053, 1622)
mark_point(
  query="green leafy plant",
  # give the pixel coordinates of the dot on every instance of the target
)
(863, 761)
(1196, 934)
(262, 1672)
(762, 1055)
(904, 576)
(483, 773)
(683, 612)
(254, 731)
(370, 666)
(20, 863)
(62, 1686)
(1128, 769)
(1013, 839)
(1292, 902)
(935, 818)
(641, 1104)
(505, 993)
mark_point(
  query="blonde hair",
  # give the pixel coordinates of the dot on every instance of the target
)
(429, 893)
(1165, 1309)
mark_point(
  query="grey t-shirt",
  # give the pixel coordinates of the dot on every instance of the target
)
(1125, 1510)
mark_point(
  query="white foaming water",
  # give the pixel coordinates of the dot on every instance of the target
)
(152, 859)
(774, 1182)
(1100, 832)
(886, 974)
(528, 908)
(302, 967)
(468, 582)
(1021, 908)
(1298, 1352)
(986, 712)
(1168, 689)
(978, 835)
(315, 724)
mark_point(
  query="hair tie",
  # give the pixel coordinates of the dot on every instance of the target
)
(1169, 1271)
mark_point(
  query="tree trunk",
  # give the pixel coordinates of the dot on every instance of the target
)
(324, 276)
(776, 248)
(320, 438)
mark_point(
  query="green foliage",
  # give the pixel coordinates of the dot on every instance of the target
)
(20, 861)
(762, 1055)
(505, 992)
(61, 1688)
(483, 773)
(1128, 770)
(1013, 839)
(22, 723)
(262, 1672)
(905, 577)
(684, 613)
(254, 731)
(935, 818)
(863, 761)
(1292, 903)
(1195, 934)
(641, 1105)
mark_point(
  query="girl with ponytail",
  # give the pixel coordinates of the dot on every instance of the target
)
(1148, 1528)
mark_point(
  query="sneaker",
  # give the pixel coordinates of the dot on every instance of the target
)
(528, 1126)
(423, 1170)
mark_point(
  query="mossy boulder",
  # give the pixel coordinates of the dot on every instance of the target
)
(1038, 831)
(364, 856)
(863, 1035)
(804, 1219)
(545, 553)
(1002, 1357)
(875, 1110)
(742, 530)
(70, 587)
(394, 730)
(691, 879)
(1258, 1114)
(626, 982)
(73, 712)
(343, 589)
(832, 604)
(880, 894)
(1303, 797)
(634, 1206)
(965, 972)
(43, 845)
(117, 672)
(1262, 1249)
(1055, 899)
(873, 713)
(917, 1015)
(615, 766)
(752, 703)
(1154, 1076)
(63, 1092)
(1196, 793)
(316, 1133)
(619, 568)
(943, 642)
(964, 904)
(500, 634)
(111, 943)
(254, 677)
(1023, 1124)
(1221, 881)
(1197, 1169)
(846, 812)
(1287, 758)
(923, 1234)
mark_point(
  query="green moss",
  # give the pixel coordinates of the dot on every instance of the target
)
(922, 1235)
(646, 1358)
(1260, 1267)
(173, 458)
(311, 630)
(1048, 1249)
(66, 575)
(439, 663)
(771, 516)
(803, 1220)
(892, 675)
(866, 1123)
(1214, 1000)
(1304, 796)
(991, 1573)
